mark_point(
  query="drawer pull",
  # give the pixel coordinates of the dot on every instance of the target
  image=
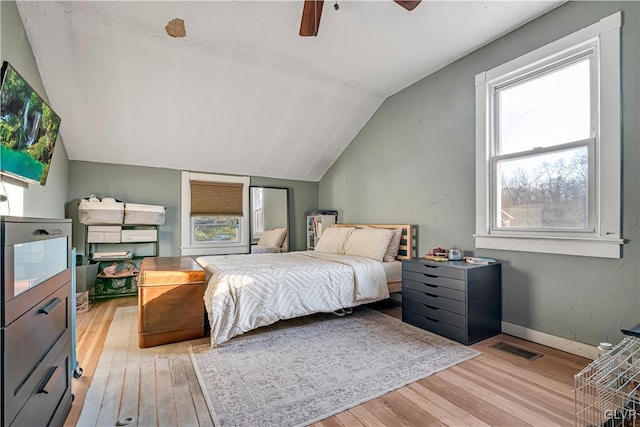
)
(49, 231)
(433, 276)
(431, 319)
(431, 307)
(50, 379)
(47, 309)
(431, 295)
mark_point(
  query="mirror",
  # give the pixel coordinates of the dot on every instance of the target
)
(269, 210)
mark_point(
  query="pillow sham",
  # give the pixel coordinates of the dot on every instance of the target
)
(333, 239)
(394, 246)
(273, 237)
(368, 243)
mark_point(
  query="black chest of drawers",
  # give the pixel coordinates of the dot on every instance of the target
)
(454, 299)
(35, 316)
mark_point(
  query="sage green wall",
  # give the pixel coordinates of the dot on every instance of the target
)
(158, 186)
(39, 201)
(414, 162)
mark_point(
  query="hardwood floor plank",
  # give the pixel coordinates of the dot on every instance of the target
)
(147, 415)
(165, 404)
(365, 416)
(408, 412)
(198, 399)
(93, 401)
(460, 396)
(562, 404)
(185, 410)
(348, 419)
(329, 422)
(426, 405)
(131, 385)
(379, 409)
(496, 397)
(110, 406)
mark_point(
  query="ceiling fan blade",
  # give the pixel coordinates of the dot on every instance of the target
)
(311, 17)
(408, 4)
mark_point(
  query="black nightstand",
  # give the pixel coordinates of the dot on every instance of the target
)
(454, 299)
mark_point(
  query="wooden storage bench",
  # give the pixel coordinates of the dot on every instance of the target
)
(170, 301)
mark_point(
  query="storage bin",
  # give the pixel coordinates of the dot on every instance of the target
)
(150, 235)
(143, 214)
(100, 212)
(86, 277)
(108, 287)
(104, 233)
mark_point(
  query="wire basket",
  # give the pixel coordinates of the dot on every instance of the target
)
(606, 391)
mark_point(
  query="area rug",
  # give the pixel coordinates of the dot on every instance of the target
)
(298, 375)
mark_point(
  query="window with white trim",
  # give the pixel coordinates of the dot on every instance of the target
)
(214, 214)
(548, 147)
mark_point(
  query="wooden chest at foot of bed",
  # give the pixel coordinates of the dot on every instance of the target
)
(170, 301)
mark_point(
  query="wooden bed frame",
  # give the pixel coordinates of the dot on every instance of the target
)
(407, 245)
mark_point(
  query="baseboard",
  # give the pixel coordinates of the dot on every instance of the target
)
(563, 344)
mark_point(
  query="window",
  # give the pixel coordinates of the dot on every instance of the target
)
(258, 211)
(548, 147)
(214, 214)
(13, 191)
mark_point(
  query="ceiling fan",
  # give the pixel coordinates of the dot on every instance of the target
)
(312, 12)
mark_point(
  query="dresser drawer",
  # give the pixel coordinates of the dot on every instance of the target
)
(53, 390)
(435, 280)
(434, 270)
(435, 301)
(435, 326)
(440, 291)
(32, 336)
(434, 313)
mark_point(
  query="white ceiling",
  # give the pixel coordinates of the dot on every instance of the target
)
(242, 93)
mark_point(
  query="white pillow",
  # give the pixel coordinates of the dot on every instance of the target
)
(333, 239)
(394, 246)
(273, 237)
(368, 243)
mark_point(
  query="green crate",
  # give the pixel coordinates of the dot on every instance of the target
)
(115, 286)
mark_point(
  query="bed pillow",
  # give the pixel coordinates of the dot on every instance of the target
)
(333, 239)
(368, 243)
(394, 246)
(273, 237)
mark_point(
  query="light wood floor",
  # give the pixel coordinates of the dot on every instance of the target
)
(158, 386)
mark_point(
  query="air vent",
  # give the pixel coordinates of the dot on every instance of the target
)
(520, 352)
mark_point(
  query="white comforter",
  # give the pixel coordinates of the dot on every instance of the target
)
(245, 292)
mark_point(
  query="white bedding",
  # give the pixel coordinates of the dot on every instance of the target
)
(393, 270)
(245, 292)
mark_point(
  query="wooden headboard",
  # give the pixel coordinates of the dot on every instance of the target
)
(407, 242)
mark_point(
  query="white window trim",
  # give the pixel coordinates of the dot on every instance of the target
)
(606, 241)
(187, 247)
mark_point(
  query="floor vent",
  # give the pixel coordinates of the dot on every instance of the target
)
(520, 352)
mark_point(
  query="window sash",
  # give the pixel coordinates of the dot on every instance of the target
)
(590, 229)
(194, 227)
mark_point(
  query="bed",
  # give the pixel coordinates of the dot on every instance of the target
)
(245, 292)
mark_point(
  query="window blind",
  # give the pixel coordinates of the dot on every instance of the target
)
(216, 198)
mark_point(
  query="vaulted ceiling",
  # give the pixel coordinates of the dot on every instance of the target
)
(242, 93)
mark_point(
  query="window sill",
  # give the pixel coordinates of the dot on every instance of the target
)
(601, 248)
(214, 250)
